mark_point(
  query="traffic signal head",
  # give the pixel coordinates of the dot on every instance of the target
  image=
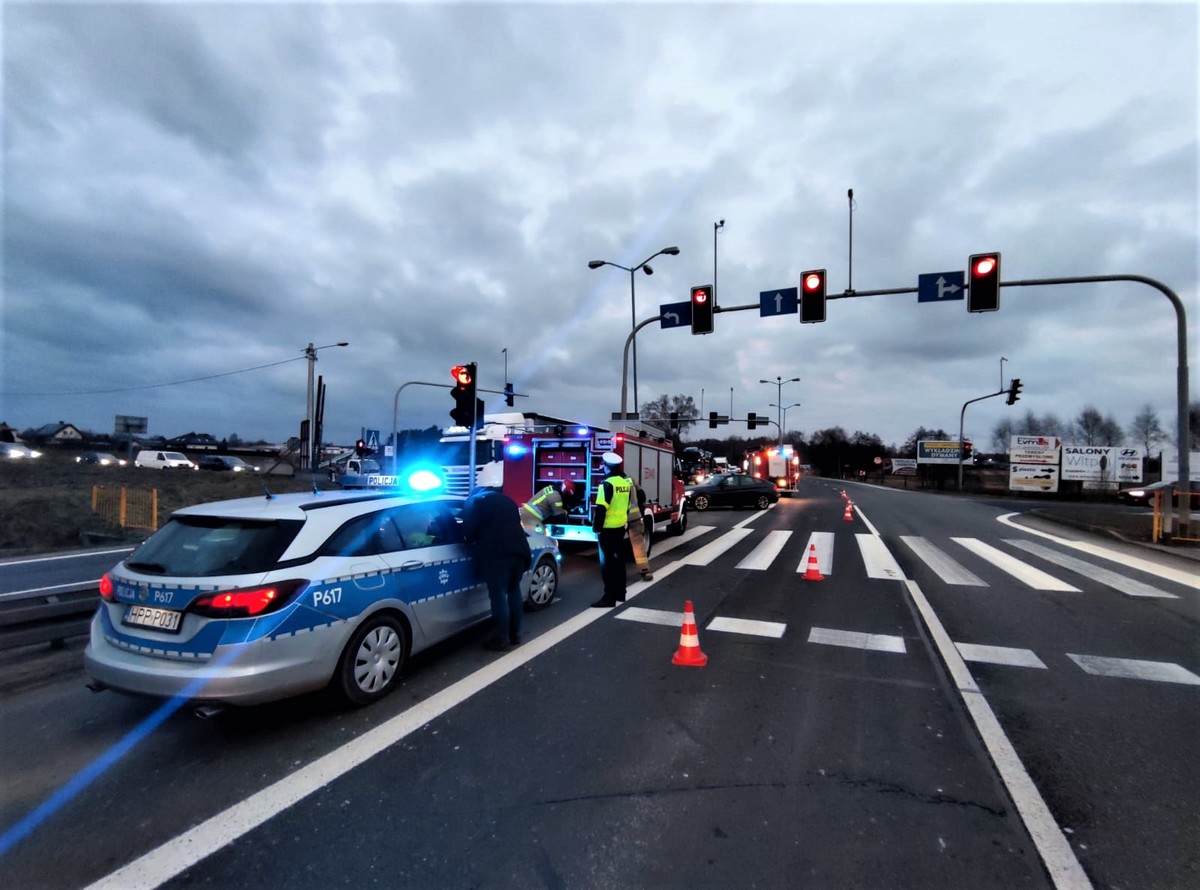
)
(812, 296)
(702, 309)
(712, 420)
(463, 393)
(1014, 390)
(751, 420)
(674, 421)
(508, 394)
(968, 452)
(360, 447)
(983, 283)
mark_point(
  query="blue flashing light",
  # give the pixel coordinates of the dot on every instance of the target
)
(515, 449)
(582, 431)
(424, 481)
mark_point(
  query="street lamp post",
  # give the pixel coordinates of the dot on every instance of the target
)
(310, 353)
(785, 409)
(779, 382)
(596, 264)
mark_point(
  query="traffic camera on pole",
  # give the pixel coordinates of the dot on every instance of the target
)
(702, 309)
(983, 283)
(812, 296)
(463, 392)
(1014, 390)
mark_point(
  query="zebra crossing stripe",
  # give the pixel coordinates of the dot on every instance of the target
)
(1132, 669)
(878, 559)
(855, 640)
(670, 544)
(711, 551)
(764, 554)
(748, 626)
(942, 564)
(999, 655)
(1035, 578)
(1107, 577)
(823, 541)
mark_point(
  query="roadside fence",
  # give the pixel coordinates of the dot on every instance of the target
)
(127, 508)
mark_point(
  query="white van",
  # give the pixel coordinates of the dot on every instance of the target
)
(162, 460)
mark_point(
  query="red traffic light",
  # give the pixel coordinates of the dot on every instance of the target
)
(700, 295)
(984, 266)
(813, 281)
(461, 375)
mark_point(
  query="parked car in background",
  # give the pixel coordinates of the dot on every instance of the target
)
(1143, 495)
(731, 490)
(162, 460)
(224, 463)
(100, 459)
(250, 600)
(13, 451)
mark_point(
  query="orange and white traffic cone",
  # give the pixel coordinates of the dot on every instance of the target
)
(849, 514)
(813, 571)
(844, 495)
(689, 654)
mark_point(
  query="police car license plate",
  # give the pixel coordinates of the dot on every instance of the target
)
(148, 616)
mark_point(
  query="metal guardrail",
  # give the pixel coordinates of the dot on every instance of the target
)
(50, 618)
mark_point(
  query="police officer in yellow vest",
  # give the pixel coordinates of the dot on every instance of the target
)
(609, 519)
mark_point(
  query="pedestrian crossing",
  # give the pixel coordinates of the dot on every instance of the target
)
(958, 562)
(945, 559)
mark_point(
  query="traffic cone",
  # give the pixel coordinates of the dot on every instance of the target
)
(689, 654)
(849, 514)
(844, 495)
(813, 571)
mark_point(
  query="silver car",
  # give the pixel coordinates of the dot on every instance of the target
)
(250, 600)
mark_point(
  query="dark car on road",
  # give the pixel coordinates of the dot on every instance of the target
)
(731, 490)
(221, 463)
(99, 458)
(1143, 495)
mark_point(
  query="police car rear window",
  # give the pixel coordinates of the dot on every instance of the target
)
(197, 546)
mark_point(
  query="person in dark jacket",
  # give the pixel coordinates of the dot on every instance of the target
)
(492, 527)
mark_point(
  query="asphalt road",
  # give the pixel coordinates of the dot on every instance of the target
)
(834, 738)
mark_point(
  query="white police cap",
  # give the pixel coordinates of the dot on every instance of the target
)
(612, 459)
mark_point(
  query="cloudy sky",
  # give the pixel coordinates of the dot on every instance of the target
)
(196, 189)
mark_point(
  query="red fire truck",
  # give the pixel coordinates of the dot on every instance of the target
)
(779, 464)
(535, 458)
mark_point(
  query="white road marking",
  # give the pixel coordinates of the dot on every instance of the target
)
(1188, 577)
(666, 546)
(651, 616)
(764, 554)
(711, 551)
(999, 655)
(945, 567)
(878, 559)
(1107, 577)
(748, 626)
(824, 544)
(855, 640)
(1053, 846)
(1027, 574)
(1132, 669)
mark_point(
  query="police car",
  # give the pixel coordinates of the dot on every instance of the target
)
(245, 601)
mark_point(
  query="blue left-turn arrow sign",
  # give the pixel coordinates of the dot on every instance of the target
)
(675, 315)
(784, 301)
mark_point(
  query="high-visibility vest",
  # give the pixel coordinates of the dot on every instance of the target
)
(614, 496)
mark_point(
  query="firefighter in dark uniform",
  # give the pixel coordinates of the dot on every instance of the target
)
(547, 503)
(608, 521)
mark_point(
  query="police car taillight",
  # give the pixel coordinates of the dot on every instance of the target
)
(106, 588)
(246, 603)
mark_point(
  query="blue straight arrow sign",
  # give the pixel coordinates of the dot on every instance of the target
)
(784, 301)
(675, 315)
(938, 287)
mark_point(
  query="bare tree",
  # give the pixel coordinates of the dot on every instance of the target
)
(1146, 429)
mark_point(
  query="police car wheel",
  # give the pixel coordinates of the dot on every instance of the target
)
(543, 584)
(700, 502)
(372, 660)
